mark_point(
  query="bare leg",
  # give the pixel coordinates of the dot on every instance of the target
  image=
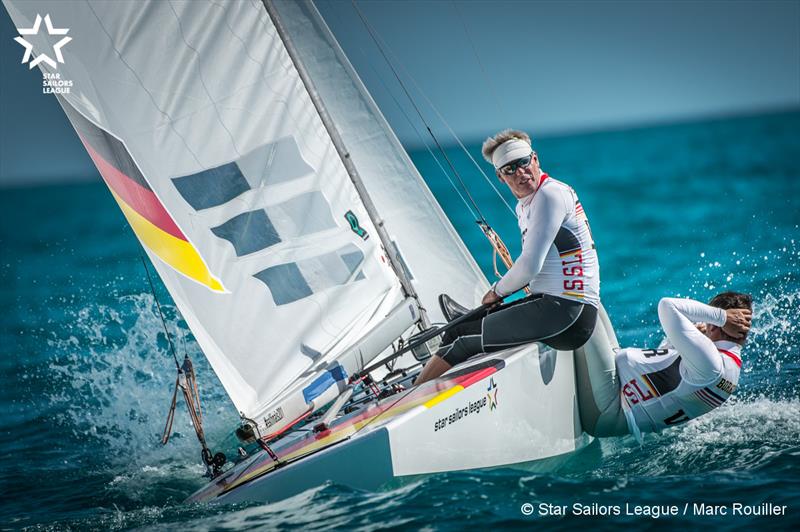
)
(434, 368)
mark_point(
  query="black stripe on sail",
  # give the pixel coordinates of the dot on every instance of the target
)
(108, 147)
(667, 379)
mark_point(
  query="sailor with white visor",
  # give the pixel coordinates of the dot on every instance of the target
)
(558, 264)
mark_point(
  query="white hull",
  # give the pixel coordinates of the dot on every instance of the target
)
(535, 418)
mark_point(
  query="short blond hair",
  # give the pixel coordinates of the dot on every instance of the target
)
(491, 144)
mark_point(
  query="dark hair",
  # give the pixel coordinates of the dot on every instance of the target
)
(727, 300)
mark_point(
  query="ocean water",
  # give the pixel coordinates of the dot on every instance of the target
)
(688, 209)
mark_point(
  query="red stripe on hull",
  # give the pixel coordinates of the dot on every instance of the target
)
(136, 196)
(465, 381)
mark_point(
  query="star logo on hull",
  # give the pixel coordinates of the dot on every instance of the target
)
(492, 395)
(42, 58)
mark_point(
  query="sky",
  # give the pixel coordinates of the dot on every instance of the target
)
(548, 67)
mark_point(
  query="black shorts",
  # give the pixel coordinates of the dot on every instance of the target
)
(563, 324)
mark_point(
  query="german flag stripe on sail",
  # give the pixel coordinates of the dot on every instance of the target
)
(153, 225)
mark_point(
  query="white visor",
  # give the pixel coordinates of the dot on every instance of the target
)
(510, 151)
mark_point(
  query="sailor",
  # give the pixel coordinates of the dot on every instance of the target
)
(558, 264)
(694, 370)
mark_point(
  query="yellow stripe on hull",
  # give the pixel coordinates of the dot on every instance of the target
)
(177, 253)
(345, 432)
(444, 395)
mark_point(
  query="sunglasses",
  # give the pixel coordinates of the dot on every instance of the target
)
(512, 167)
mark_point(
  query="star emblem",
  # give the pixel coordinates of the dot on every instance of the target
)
(492, 395)
(35, 31)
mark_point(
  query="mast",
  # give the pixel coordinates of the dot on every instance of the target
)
(344, 154)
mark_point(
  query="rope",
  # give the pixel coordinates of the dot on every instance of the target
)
(375, 39)
(160, 314)
(171, 415)
(490, 181)
(186, 382)
(497, 243)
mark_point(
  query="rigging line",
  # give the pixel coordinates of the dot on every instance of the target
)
(403, 394)
(430, 152)
(458, 140)
(422, 139)
(471, 158)
(414, 127)
(161, 314)
(419, 113)
(489, 82)
(489, 180)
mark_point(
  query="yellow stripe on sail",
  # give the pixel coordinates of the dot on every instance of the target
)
(177, 253)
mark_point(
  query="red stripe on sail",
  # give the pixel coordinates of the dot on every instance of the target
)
(135, 195)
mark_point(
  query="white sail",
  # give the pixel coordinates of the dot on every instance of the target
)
(432, 250)
(207, 138)
(200, 124)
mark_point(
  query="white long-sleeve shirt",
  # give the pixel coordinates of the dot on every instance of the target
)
(558, 254)
(665, 387)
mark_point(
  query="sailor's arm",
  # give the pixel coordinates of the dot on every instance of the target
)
(700, 358)
(545, 217)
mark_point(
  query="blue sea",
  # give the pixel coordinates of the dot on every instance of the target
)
(687, 209)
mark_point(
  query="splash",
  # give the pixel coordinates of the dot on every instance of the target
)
(771, 364)
(111, 385)
(742, 435)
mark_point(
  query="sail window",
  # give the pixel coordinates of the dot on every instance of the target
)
(248, 232)
(212, 187)
(286, 283)
(302, 215)
(297, 280)
(256, 230)
(273, 163)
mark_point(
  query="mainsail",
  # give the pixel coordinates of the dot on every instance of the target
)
(198, 121)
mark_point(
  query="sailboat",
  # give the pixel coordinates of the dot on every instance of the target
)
(299, 243)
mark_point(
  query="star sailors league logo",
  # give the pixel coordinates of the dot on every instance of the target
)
(492, 395)
(35, 31)
(52, 82)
